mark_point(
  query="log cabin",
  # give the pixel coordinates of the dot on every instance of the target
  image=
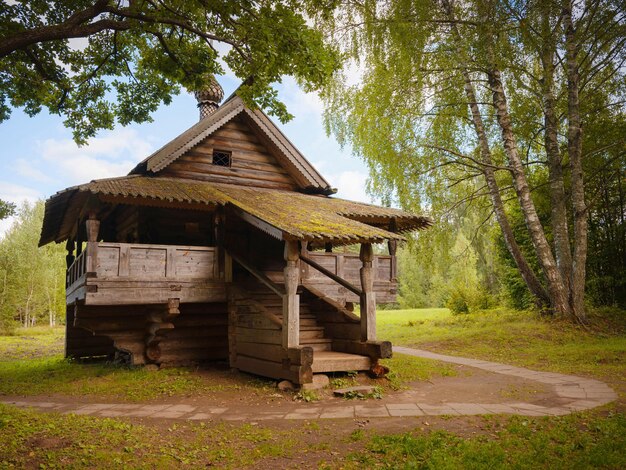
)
(226, 244)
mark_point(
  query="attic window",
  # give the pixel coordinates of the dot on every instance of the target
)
(221, 157)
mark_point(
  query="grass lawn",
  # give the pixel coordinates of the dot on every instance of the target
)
(32, 363)
(592, 439)
(513, 337)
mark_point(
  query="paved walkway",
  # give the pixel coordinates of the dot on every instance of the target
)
(574, 394)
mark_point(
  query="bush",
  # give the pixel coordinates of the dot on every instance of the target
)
(459, 301)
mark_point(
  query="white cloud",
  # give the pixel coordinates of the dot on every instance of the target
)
(28, 169)
(351, 185)
(113, 154)
(298, 102)
(18, 194)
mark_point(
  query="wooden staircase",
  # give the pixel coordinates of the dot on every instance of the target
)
(312, 333)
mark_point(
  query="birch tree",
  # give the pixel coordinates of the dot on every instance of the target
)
(491, 91)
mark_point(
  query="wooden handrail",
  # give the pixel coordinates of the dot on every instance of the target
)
(332, 275)
(259, 275)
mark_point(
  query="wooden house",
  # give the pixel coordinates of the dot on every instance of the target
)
(226, 244)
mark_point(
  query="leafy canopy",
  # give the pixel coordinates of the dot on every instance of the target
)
(95, 63)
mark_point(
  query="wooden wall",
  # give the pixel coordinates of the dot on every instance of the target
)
(252, 162)
(200, 331)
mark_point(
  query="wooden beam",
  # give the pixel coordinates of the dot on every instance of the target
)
(93, 227)
(291, 299)
(368, 296)
(258, 223)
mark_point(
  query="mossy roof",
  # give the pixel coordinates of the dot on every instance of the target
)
(292, 214)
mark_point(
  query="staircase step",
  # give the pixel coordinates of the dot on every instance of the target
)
(318, 344)
(332, 361)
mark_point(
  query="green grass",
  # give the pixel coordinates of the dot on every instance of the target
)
(46, 440)
(31, 363)
(578, 441)
(405, 370)
(28, 343)
(513, 337)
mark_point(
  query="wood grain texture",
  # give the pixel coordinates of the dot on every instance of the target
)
(252, 163)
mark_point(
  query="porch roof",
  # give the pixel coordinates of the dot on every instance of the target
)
(283, 214)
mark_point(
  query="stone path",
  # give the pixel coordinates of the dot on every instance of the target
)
(574, 394)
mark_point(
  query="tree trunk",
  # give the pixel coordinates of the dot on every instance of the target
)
(556, 287)
(533, 284)
(574, 147)
(558, 206)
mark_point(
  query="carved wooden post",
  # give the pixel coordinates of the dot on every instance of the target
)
(368, 297)
(93, 227)
(291, 299)
(69, 259)
(393, 248)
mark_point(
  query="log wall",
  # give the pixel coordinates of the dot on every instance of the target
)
(199, 333)
(252, 163)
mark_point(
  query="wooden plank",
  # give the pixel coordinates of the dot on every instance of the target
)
(332, 361)
(124, 267)
(268, 352)
(251, 335)
(231, 180)
(374, 349)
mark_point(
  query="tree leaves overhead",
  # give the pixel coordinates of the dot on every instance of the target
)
(96, 63)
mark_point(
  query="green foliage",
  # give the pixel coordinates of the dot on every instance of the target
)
(458, 302)
(7, 209)
(307, 396)
(131, 57)
(452, 261)
(408, 119)
(32, 279)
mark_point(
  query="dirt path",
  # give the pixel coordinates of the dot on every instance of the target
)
(491, 388)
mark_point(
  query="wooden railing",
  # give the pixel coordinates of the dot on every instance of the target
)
(78, 268)
(154, 262)
(339, 280)
(346, 266)
(259, 275)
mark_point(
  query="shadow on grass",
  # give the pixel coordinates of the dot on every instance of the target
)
(55, 375)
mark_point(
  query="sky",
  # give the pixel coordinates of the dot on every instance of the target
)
(38, 156)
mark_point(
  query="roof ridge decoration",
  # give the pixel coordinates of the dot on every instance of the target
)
(231, 108)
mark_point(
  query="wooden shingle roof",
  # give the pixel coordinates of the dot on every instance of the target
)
(283, 214)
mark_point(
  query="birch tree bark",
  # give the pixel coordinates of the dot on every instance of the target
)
(556, 287)
(524, 268)
(574, 148)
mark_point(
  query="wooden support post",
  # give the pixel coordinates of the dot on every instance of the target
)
(291, 299)
(69, 258)
(158, 324)
(368, 297)
(393, 247)
(93, 227)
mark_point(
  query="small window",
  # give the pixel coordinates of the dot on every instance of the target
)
(221, 157)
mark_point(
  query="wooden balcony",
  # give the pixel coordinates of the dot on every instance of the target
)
(347, 266)
(134, 274)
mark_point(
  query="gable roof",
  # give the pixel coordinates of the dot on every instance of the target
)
(282, 214)
(288, 155)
